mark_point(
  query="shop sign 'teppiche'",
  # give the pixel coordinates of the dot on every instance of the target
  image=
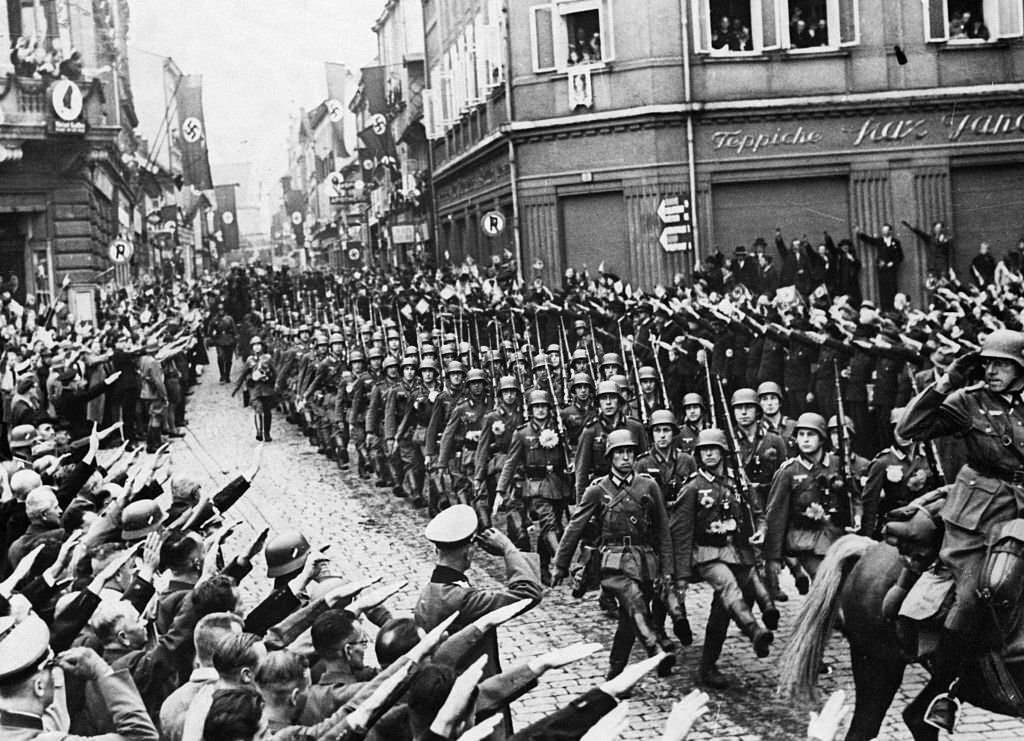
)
(864, 133)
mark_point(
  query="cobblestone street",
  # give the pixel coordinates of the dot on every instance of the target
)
(373, 533)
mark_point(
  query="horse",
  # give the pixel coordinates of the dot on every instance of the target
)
(849, 588)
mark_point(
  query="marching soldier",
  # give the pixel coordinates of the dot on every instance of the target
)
(693, 421)
(497, 430)
(462, 435)
(580, 410)
(405, 455)
(710, 532)
(364, 382)
(769, 397)
(647, 399)
(636, 547)
(428, 392)
(450, 396)
(670, 467)
(591, 461)
(858, 464)
(540, 453)
(895, 476)
(321, 394)
(761, 451)
(260, 380)
(375, 425)
(802, 500)
(611, 365)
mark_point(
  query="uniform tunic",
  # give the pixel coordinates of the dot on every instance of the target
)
(798, 506)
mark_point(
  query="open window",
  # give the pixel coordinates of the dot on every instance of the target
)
(734, 27)
(570, 33)
(973, 21)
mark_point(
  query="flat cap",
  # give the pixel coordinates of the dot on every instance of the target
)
(23, 644)
(454, 525)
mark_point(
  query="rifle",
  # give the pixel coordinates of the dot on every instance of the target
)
(711, 392)
(563, 437)
(661, 376)
(641, 401)
(932, 449)
(563, 350)
(734, 461)
(843, 515)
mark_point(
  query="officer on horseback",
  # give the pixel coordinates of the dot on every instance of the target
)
(987, 493)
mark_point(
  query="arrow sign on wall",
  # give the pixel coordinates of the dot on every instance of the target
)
(676, 238)
(674, 210)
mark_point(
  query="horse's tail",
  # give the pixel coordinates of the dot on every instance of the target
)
(801, 660)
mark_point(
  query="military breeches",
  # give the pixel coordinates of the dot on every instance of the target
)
(632, 594)
(963, 553)
(732, 582)
(551, 515)
(410, 468)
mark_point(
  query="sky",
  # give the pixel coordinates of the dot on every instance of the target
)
(261, 60)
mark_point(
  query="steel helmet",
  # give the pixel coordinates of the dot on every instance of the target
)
(286, 553)
(1004, 344)
(374, 353)
(537, 396)
(607, 388)
(647, 373)
(303, 328)
(812, 421)
(508, 383)
(427, 349)
(428, 364)
(410, 361)
(744, 396)
(476, 374)
(447, 349)
(769, 387)
(356, 356)
(465, 348)
(140, 518)
(693, 400)
(610, 358)
(554, 349)
(455, 367)
(517, 357)
(390, 362)
(337, 339)
(393, 334)
(320, 338)
(623, 383)
(411, 350)
(582, 379)
(712, 436)
(257, 340)
(833, 423)
(619, 439)
(580, 354)
(540, 360)
(377, 336)
(663, 417)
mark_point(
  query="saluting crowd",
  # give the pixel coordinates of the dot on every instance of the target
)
(630, 442)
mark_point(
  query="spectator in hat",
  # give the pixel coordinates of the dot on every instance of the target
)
(744, 270)
(73, 398)
(25, 407)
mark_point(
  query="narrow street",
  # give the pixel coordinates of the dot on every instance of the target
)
(372, 533)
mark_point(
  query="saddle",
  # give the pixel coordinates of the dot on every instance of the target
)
(922, 596)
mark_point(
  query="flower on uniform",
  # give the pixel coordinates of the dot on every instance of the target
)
(498, 427)
(723, 527)
(548, 438)
(707, 501)
(815, 511)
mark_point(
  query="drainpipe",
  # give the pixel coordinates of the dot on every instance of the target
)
(688, 98)
(513, 168)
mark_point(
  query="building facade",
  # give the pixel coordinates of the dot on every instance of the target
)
(802, 115)
(66, 118)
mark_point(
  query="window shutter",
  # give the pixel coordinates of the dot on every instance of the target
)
(936, 21)
(701, 27)
(769, 24)
(542, 31)
(1011, 24)
(849, 22)
(432, 115)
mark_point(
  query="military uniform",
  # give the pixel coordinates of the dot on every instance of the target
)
(399, 425)
(496, 432)
(361, 388)
(260, 379)
(590, 460)
(636, 551)
(893, 478)
(797, 516)
(459, 443)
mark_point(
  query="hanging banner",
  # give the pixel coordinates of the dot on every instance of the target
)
(227, 217)
(195, 157)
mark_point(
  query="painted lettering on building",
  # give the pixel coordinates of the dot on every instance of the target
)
(898, 130)
(742, 141)
(984, 124)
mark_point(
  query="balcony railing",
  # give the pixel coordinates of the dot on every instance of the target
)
(25, 102)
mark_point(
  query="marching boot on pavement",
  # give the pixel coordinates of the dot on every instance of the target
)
(636, 545)
(711, 529)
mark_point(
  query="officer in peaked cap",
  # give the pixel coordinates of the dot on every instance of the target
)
(27, 684)
(453, 531)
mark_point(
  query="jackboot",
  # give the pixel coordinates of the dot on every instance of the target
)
(771, 583)
(769, 613)
(760, 638)
(649, 639)
(944, 708)
(267, 417)
(714, 638)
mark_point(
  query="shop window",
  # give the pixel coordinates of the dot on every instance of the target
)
(730, 27)
(973, 21)
(570, 33)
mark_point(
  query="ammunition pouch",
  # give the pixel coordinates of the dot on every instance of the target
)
(1002, 574)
